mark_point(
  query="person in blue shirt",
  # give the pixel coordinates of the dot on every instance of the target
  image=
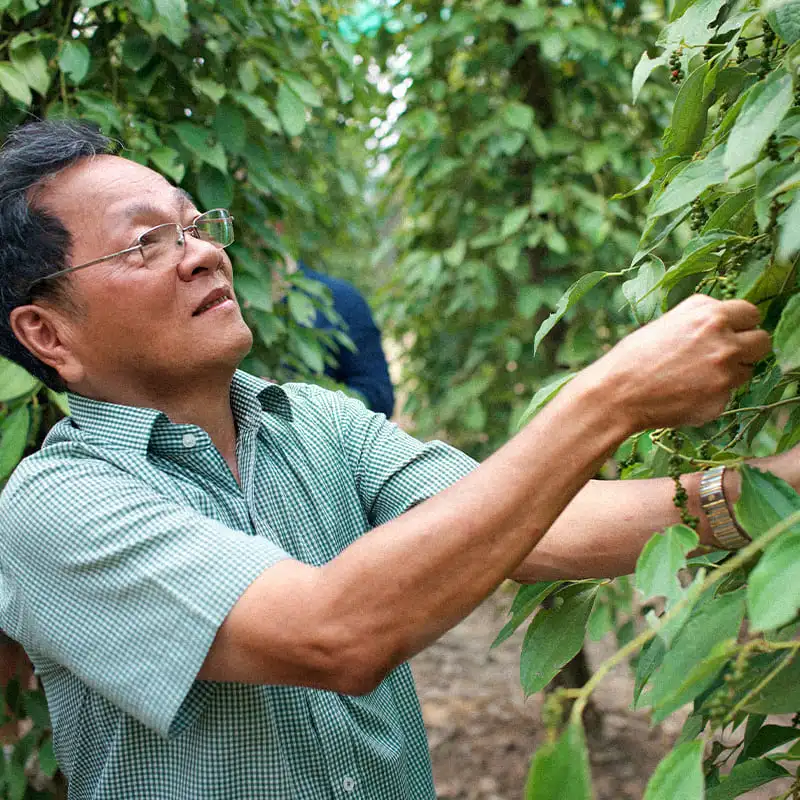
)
(363, 370)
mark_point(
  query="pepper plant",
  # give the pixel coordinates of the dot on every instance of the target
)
(726, 181)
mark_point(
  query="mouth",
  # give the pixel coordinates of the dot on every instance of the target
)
(212, 300)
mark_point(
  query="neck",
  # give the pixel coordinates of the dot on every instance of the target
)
(202, 401)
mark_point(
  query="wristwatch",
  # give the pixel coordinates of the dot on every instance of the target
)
(724, 529)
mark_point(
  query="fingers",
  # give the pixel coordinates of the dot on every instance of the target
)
(740, 314)
(753, 346)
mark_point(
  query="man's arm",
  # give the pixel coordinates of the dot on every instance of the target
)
(603, 530)
(398, 588)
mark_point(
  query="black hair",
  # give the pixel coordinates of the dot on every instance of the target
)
(33, 242)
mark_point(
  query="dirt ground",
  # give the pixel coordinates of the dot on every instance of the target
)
(482, 731)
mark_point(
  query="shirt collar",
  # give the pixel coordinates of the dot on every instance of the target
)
(132, 427)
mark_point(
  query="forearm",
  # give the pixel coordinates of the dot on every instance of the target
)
(404, 584)
(604, 528)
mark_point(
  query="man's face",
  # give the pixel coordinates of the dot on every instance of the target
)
(141, 325)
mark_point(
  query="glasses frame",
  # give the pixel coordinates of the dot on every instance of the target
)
(191, 228)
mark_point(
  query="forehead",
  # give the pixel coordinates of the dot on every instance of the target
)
(119, 188)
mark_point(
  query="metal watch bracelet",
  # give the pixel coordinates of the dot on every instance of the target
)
(726, 533)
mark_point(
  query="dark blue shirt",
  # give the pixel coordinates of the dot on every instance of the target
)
(364, 370)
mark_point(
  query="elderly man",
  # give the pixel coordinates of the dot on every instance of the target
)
(220, 580)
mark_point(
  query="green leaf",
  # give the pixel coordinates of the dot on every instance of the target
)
(216, 91)
(689, 115)
(690, 182)
(642, 291)
(13, 82)
(744, 777)
(231, 128)
(528, 599)
(701, 255)
(789, 238)
(659, 562)
(260, 109)
(649, 660)
(30, 61)
(254, 292)
(554, 637)
(13, 437)
(47, 758)
(214, 188)
(697, 654)
(291, 111)
(773, 588)
(15, 382)
(543, 396)
(767, 739)
(782, 694)
(643, 70)
(302, 308)
(172, 17)
(679, 775)
(304, 89)
(787, 336)
(168, 162)
(766, 105)
(765, 500)
(514, 221)
(785, 21)
(560, 770)
(567, 301)
(74, 60)
(518, 116)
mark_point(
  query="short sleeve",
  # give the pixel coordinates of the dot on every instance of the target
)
(392, 470)
(117, 583)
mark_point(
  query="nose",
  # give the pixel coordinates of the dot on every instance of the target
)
(199, 257)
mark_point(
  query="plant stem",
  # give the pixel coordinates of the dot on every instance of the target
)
(763, 408)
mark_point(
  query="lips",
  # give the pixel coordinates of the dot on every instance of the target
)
(213, 298)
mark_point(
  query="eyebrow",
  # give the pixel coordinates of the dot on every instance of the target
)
(145, 208)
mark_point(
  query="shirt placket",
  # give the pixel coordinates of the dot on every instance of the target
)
(337, 746)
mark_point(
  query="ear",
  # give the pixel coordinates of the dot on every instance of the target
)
(44, 332)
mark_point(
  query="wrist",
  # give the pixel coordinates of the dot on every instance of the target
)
(609, 390)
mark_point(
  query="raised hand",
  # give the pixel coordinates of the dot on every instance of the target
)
(681, 368)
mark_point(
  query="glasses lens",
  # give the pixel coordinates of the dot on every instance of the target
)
(215, 226)
(162, 246)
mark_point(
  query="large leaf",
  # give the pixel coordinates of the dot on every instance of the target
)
(787, 336)
(567, 301)
(15, 381)
(744, 777)
(688, 184)
(554, 637)
(782, 694)
(765, 500)
(28, 58)
(301, 87)
(560, 769)
(679, 775)
(766, 105)
(789, 240)
(785, 20)
(13, 437)
(773, 589)
(74, 60)
(291, 111)
(689, 115)
(543, 397)
(642, 291)
(528, 599)
(172, 16)
(13, 82)
(659, 562)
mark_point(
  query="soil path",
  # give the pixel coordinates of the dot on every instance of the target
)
(482, 731)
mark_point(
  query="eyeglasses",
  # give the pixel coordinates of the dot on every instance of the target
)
(164, 246)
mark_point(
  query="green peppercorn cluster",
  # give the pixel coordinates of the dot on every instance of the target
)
(768, 40)
(741, 51)
(681, 498)
(675, 68)
(698, 215)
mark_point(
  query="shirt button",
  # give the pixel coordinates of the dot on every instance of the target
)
(189, 440)
(348, 784)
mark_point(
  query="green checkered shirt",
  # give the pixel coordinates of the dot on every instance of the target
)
(125, 543)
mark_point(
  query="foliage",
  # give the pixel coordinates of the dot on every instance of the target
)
(514, 128)
(726, 640)
(244, 103)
